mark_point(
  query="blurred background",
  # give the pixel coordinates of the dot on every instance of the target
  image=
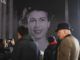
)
(11, 13)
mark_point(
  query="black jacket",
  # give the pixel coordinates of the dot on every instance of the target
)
(25, 50)
(50, 52)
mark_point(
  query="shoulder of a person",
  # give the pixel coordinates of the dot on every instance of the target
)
(70, 40)
(66, 41)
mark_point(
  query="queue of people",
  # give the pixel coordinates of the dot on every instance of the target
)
(33, 42)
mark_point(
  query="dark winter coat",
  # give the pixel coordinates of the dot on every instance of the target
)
(51, 52)
(25, 50)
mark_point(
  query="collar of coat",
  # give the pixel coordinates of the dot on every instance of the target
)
(67, 35)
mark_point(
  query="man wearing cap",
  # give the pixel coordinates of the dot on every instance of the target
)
(69, 46)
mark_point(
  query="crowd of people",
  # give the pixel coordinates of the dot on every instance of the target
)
(34, 43)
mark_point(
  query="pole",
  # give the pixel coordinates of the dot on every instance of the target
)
(66, 11)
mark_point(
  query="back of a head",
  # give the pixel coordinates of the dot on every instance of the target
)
(22, 30)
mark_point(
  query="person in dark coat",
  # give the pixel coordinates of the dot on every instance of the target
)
(25, 49)
(50, 52)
